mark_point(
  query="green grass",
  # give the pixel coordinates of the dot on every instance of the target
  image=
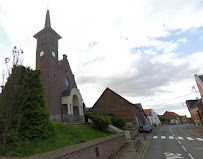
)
(66, 135)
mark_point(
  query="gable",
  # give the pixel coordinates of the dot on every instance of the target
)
(111, 99)
(111, 102)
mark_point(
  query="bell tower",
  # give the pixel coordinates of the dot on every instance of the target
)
(47, 63)
(62, 96)
(47, 45)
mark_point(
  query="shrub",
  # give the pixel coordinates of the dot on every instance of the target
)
(24, 111)
(101, 120)
(118, 122)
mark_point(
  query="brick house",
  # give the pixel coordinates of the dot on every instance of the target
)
(112, 102)
(153, 117)
(62, 96)
(175, 118)
(196, 106)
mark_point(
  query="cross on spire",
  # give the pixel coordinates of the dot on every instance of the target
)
(47, 22)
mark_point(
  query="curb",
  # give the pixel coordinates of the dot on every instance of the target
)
(193, 133)
(144, 150)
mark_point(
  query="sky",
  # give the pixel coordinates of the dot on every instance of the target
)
(146, 51)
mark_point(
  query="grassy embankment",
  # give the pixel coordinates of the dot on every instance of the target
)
(66, 135)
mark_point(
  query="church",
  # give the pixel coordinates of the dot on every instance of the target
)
(62, 96)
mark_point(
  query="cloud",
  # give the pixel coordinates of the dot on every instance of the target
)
(143, 50)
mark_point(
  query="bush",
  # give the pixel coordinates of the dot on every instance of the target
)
(101, 120)
(118, 122)
(24, 105)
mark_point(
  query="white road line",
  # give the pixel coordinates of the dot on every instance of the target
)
(189, 138)
(190, 156)
(200, 139)
(180, 138)
(155, 137)
(171, 137)
(163, 137)
(179, 142)
(184, 148)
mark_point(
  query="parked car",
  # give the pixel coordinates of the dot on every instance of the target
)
(145, 128)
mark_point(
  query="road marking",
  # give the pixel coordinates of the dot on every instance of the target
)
(184, 148)
(155, 137)
(163, 137)
(170, 155)
(180, 138)
(200, 139)
(190, 156)
(171, 137)
(189, 138)
(179, 142)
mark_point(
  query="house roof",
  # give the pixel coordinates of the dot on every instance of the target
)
(199, 78)
(148, 112)
(66, 92)
(184, 116)
(108, 89)
(139, 106)
(170, 115)
(174, 114)
(191, 103)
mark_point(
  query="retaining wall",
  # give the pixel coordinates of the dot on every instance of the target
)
(102, 148)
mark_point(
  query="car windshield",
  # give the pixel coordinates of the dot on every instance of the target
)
(146, 126)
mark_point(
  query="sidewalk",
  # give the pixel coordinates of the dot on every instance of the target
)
(195, 130)
(129, 152)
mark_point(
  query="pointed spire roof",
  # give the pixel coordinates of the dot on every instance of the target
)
(47, 28)
(47, 21)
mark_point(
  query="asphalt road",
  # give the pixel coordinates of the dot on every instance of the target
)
(174, 142)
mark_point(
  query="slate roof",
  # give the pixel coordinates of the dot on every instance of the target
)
(199, 78)
(66, 92)
(191, 103)
(138, 105)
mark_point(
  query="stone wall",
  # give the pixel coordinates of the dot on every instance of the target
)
(102, 148)
(68, 118)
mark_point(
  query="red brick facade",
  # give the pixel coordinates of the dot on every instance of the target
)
(196, 106)
(111, 102)
(54, 74)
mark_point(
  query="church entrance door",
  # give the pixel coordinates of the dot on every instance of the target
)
(75, 105)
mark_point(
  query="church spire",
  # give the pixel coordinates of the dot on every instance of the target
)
(47, 22)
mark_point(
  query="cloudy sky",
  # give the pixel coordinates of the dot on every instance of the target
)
(147, 51)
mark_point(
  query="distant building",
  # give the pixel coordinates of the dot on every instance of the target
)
(153, 117)
(175, 118)
(111, 102)
(62, 96)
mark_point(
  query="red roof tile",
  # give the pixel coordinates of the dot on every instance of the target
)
(148, 112)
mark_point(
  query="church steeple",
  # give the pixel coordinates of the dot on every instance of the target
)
(47, 21)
